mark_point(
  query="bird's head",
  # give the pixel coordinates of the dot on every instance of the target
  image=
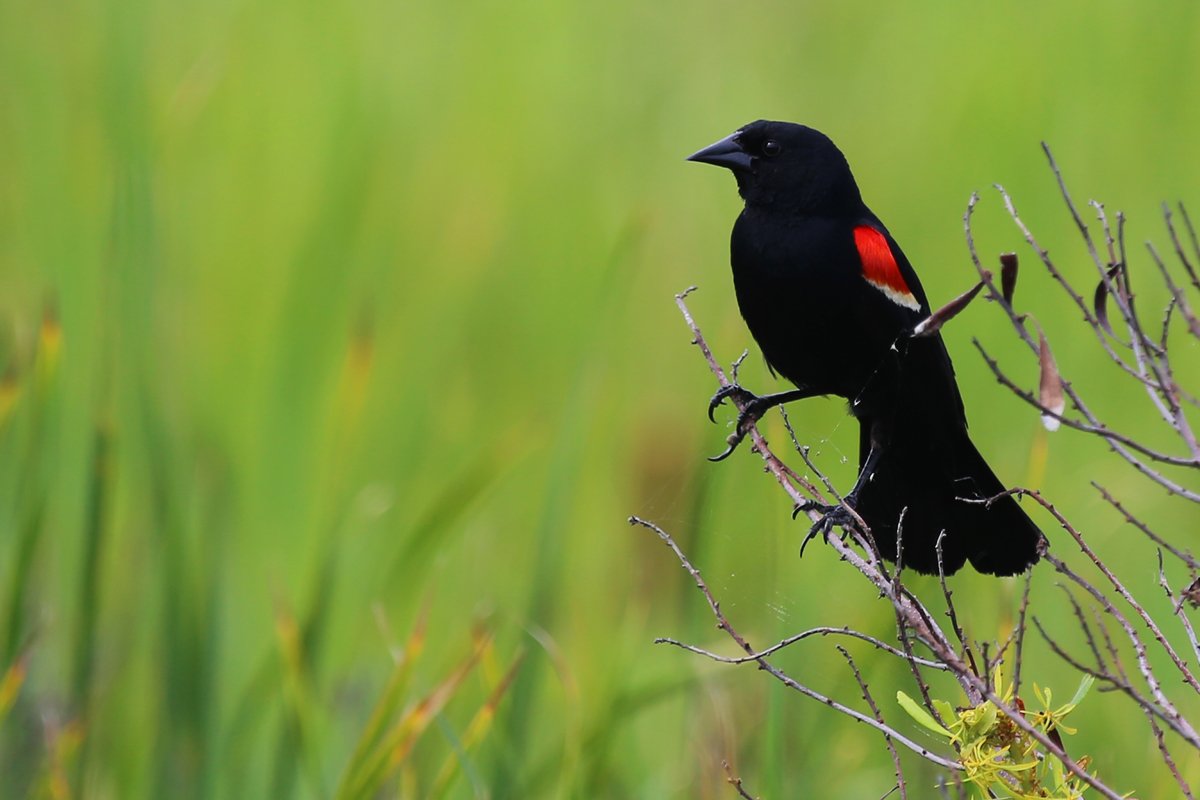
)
(785, 164)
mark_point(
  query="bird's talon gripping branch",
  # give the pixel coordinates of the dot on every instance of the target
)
(811, 505)
(732, 390)
(753, 408)
(833, 516)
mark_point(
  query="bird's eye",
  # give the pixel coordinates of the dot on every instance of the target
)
(771, 148)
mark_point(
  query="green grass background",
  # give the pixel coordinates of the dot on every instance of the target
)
(367, 304)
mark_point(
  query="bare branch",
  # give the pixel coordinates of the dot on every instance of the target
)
(1083, 228)
(1168, 760)
(902, 624)
(1087, 629)
(1098, 674)
(1178, 606)
(844, 631)
(871, 567)
(1152, 367)
(985, 276)
(1191, 231)
(1108, 237)
(1176, 292)
(1187, 265)
(949, 595)
(1132, 520)
(1021, 635)
(737, 782)
(1123, 299)
(866, 695)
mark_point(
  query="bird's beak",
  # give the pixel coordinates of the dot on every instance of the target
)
(725, 153)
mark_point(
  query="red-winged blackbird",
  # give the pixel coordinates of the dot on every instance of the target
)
(832, 302)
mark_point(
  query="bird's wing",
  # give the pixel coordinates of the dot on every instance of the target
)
(886, 267)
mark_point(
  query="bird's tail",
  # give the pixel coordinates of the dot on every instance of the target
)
(930, 470)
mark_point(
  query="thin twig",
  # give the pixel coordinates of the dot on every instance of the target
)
(1062, 185)
(1021, 635)
(1144, 528)
(1168, 760)
(1083, 624)
(844, 631)
(1108, 237)
(737, 782)
(1088, 316)
(1177, 605)
(1113, 653)
(1114, 441)
(902, 627)
(1120, 683)
(866, 695)
(1187, 265)
(986, 277)
(808, 485)
(954, 624)
(1098, 674)
(1191, 231)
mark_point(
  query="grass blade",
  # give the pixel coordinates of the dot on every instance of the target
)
(477, 729)
(391, 698)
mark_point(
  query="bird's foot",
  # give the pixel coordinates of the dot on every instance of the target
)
(811, 505)
(753, 408)
(831, 516)
(732, 390)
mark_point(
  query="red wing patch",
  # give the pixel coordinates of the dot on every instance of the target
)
(879, 266)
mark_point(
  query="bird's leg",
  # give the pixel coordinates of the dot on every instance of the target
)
(839, 515)
(753, 408)
(868, 469)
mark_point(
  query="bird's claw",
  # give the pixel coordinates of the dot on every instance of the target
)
(734, 440)
(750, 413)
(731, 390)
(811, 505)
(831, 517)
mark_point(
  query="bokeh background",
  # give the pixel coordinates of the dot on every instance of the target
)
(315, 315)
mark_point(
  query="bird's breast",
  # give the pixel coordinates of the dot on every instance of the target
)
(801, 289)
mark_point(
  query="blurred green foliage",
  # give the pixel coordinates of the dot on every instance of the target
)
(312, 313)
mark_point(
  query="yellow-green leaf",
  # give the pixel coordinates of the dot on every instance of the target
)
(1008, 790)
(985, 720)
(1081, 692)
(921, 715)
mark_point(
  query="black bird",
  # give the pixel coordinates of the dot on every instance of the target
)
(832, 302)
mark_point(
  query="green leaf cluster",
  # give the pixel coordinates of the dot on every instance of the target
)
(1000, 758)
